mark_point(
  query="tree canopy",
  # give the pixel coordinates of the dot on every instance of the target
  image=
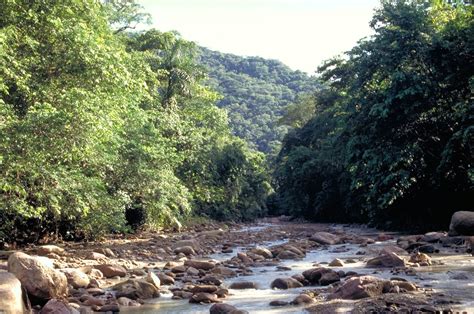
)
(391, 138)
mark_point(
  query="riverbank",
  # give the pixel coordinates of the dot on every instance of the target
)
(311, 267)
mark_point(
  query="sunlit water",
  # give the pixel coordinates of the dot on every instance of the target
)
(257, 301)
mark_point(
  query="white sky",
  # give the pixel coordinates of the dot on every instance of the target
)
(301, 33)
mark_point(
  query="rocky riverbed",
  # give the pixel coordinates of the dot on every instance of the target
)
(273, 266)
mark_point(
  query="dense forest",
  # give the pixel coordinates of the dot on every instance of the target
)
(391, 140)
(256, 93)
(105, 130)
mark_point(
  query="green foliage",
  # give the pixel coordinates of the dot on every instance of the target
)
(95, 120)
(389, 141)
(256, 92)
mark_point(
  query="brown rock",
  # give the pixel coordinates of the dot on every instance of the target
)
(11, 294)
(48, 249)
(278, 303)
(244, 258)
(336, 263)
(136, 289)
(153, 279)
(186, 250)
(302, 299)
(325, 238)
(329, 278)
(203, 297)
(386, 260)
(204, 288)
(38, 278)
(359, 287)
(285, 283)
(76, 278)
(55, 306)
(224, 271)
(420, 258)
(243, 285)
(109, 270)
(165, 279)
(286, 254)
(314, 275)
(204, 265)
(262, 252)
(222, 308)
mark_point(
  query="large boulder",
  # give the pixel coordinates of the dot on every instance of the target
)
(12, 299)
(325, 238)
(358, 288)
(37, 277)
(462, 223)
(386, 260)
(285, 283)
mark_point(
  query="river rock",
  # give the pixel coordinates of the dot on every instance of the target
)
(204, 288)
(210, 279)
(203, 297)
(262, 252)
(314, 275)
(153, 279)
(204, 265)
(106, 251)
(285, 283)
(278, 303)
(329, 278)
(358, 287)
(433, 237)
(286, 254)
(11, 294)
(393, 249)
(302, 299)
(191, 242)
(165, 279)
(186, 250)
(136, 289)
(109, 270)
(76, 278)
(420, 258)
(325, 238)
(222, 308)
(462, 223)
(48, 249)
(386, 260)
(96, 256)
(37, 277)
(55, 306)
(223, 271)
(239, 285)
(244, 258)
(336, 263)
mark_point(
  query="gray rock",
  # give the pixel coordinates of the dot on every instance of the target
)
(37, 277)
(11, 294)
(462, 223)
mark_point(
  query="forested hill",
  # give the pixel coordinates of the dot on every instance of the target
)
(255, 92)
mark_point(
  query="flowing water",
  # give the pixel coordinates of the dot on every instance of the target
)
(257, 300)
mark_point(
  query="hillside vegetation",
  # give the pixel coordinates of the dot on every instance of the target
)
(255, 91)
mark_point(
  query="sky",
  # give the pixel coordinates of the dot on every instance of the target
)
(300, 33)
